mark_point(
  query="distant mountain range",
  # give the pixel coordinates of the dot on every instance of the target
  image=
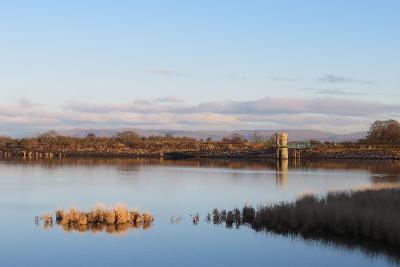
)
(294, 134)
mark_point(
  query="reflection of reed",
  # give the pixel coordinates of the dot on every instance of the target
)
(110, 228)
(175, 219)
(46, 219)
(255, 219)
(366, 247)
(195, 218)
(113, 221)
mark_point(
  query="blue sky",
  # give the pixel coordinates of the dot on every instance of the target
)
(57, 55)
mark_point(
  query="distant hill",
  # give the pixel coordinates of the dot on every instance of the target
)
(348, 137)
(294, 134)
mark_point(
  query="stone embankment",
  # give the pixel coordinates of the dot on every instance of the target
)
(179, 150)
(205, 150)
(318, 152)
(352, 152)
(226, 152)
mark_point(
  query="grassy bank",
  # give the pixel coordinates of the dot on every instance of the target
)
(369, 214)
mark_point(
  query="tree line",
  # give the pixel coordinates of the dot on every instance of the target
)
(383, 132)
(380, 132)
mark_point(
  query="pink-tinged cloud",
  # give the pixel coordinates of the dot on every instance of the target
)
(328, 113)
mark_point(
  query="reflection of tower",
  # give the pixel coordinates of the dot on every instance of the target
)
(282, 175)
(281, 140)
(282, 156)
(296, 162)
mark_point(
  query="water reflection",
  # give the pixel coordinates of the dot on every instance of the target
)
(110, 229)
(379, 171)
(168, 188)
(235, 219)
(282, 174)
(94, 228)
(369, 249)
(176, 219)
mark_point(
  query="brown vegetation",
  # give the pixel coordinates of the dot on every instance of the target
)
(118, 219)
(368, 214)
(127, 143)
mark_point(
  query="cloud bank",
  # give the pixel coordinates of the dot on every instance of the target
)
(164, 72)
(325, 113)
(330, 78)
(335, 92)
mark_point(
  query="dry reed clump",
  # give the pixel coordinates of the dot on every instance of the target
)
(147, 218)
(109, 217)
(136, 216)
(46, 220)
(115, 220)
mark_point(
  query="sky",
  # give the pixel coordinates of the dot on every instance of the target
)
(330, 65)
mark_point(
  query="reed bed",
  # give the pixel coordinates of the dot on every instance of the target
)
(115, 220)
(366, 214)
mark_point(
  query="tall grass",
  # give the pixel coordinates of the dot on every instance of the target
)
(372, 214)
(368, 214)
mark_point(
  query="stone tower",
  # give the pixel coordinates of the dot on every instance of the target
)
(281, 146)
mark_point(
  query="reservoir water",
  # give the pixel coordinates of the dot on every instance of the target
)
(173, 191)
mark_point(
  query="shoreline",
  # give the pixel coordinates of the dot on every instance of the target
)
(305, 154)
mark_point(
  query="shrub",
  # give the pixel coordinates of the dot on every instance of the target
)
(117, 219)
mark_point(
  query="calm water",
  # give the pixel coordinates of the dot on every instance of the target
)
(173, 188)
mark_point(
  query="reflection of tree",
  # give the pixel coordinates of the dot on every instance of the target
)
(381, 170)
(125, 164)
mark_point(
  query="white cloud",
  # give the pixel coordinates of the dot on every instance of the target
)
(330, 78)
(335, 92)
(327, 113)
(164, 72)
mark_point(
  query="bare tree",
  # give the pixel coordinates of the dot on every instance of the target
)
(257, 137)
(384, 132)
